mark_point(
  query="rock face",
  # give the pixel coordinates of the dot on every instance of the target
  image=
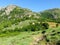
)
(9, 9)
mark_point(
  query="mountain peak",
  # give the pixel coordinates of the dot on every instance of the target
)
(9, 9)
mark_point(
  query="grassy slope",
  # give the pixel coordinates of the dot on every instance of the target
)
(17, 38)
(25, 38)
(21, 38)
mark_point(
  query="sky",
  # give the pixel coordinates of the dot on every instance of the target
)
(34, 5)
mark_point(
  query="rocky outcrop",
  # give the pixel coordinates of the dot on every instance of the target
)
(9, 9)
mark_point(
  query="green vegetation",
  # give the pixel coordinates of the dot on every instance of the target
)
(51, 15)
(21, 26)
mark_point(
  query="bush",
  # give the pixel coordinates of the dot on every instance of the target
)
(58, 42)
(57, 25)
(45, 25)
(17, 29)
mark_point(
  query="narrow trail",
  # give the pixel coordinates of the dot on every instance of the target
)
(37, 39)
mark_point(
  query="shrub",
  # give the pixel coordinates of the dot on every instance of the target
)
(43, 32)
(5, 26)
(58, 42)
(45, 25)
(57, 25)
(17, 29)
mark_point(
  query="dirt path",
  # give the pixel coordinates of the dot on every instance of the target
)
(37, 39)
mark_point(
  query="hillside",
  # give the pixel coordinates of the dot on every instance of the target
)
(21, 26)
(12, 15)
(51, 14)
